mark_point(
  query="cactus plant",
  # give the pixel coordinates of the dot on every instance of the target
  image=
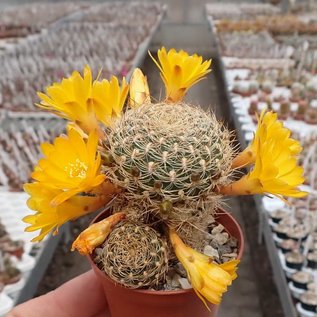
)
(171, 157)
(166, 166)
(134, 255)
(170, 152)
(285, 110)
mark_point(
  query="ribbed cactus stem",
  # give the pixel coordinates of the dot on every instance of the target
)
(134, 255)
(170, 152)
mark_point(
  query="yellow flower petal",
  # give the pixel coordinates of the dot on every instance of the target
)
(211, 296)
(139, 89)
(274, 155)
(109, 98)
(275, 172)
(231, 268)
(269, 128)
(180, 71)
(208, 279)
(49, 218)
(71, 164)
(84, 102)
(74, 126)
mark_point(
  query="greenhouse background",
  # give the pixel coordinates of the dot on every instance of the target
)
(270, 62)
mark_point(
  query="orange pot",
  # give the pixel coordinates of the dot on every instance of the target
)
(125, 302)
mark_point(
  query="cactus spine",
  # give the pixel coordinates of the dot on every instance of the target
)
(134, 255)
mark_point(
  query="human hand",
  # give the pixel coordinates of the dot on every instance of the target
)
(81, 297)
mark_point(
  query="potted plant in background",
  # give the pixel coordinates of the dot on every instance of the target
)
(165, 167)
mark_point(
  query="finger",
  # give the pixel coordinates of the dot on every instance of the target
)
(80, 297)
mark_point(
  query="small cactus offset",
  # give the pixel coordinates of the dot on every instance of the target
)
(162, 168)
(134, 256)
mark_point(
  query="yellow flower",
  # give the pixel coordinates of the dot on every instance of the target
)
(48, 218)
(96, 234)
(139, 89)
(85, 102)
(70, 164)
(108, 99)
(268, 128)
(180, 71)
(275, 172)
(208, 279)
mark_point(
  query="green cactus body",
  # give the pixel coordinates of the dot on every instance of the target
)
(134, 255)
(169, 152)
